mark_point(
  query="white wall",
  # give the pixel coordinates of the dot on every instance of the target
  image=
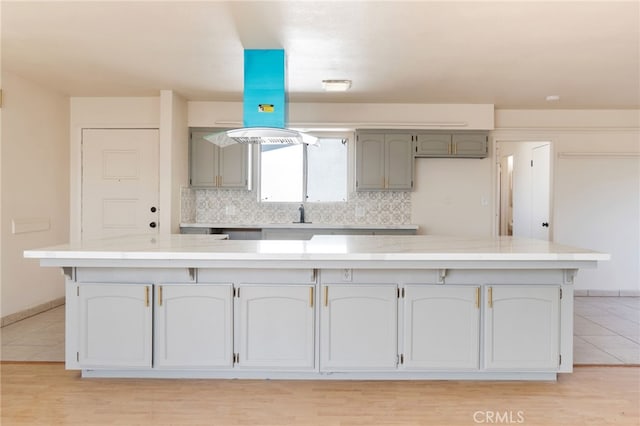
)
(174, 158)
(35, 189)
(351, 116)
(595, 185)
(453, 197)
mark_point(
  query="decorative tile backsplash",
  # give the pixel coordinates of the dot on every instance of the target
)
(242, 207)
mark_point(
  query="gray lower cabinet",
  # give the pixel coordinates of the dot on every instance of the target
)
(212, 166)
(316, 321)
(359, 327)
(115, 322)
(430, 346)
(276, 326)
(308, 233)
(193, 326)
(514, 340)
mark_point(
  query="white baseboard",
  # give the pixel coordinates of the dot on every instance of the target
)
(607, 293)
(15, 317)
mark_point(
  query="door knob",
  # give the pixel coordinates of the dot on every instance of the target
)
(152, 225)
(545, 224)
(153, 209)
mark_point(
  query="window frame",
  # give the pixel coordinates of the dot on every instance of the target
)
(347, 136)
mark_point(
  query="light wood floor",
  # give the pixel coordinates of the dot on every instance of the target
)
(44, 393)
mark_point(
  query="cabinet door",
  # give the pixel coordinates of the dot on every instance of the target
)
(470, 145)
(276, 326)
(433, 145)
(399, 162)
(370, 161)
(232, 166)
(358, 327)
(203, 170)
(193, 325)
(522, 327)
(115, 325)
(441, 327)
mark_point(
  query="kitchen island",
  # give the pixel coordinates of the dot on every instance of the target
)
(333, 307)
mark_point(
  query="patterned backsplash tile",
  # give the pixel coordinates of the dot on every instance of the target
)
(242, 207)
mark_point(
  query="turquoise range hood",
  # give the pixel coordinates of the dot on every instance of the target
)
(264, 91)
(264, 104)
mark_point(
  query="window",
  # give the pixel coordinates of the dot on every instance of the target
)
(297, 173)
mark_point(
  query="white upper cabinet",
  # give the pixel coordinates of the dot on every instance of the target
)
(217, 167)
(384, 161)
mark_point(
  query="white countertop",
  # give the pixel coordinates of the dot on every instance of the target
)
(337, 248)
(292, 225)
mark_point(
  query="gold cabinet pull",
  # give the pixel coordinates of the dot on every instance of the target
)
(146, 295)
(326, 296)
(490, 297)
(160, 295)
(311, 297)
(478, 297)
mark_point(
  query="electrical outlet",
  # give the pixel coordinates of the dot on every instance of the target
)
(347, 275)
(359, 211)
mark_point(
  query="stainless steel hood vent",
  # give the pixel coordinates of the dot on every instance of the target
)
(264, 105)
(261, 135)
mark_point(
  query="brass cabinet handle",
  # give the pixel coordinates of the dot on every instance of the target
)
(478, 297)
(326, 296)
(490, 297)
(146, 295)
(311, 297)
(160, 295)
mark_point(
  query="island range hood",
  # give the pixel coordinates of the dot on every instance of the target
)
(264, 103)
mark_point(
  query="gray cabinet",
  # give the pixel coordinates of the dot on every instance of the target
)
(453, 145)
(114, 325)
(276, 326)
(193, 326)
(359, 327)
(213, 166)
(430, 346)
(518, 342)
(384, 161)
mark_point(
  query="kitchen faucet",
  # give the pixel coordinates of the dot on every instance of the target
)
(301, 210)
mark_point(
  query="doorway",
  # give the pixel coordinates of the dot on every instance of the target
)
(120, 182)
(524, 180)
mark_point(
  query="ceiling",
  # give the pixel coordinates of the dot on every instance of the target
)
(509, 53)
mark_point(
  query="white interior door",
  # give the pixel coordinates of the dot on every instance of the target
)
(120, 182)
(540, 188)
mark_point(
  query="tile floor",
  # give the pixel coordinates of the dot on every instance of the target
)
(606, 331)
